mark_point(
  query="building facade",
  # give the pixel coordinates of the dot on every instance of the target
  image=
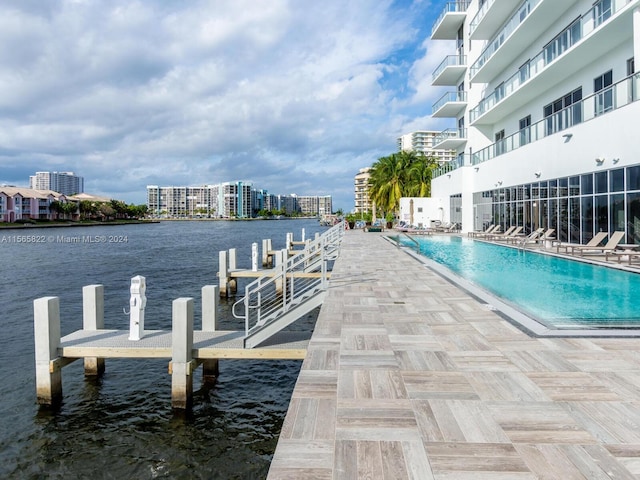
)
(424, 142)
(361, 191)
(543, 100)
(66, 183)
(17, 203)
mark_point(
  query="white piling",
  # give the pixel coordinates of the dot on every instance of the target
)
(93, 319)
(181, 353)
(137, 304)
(210, 369)
(223, 273)
(254, 257)
(265, 253)
(289, 241)
(303, 234)
(232, 259)
(46, 320)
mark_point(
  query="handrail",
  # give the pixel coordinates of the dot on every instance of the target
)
(290, 282)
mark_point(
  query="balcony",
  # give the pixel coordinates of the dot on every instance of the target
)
(590, 36)
(522, 30)
(448, 23)
(597, 105)
(450, 105)
(489, 18)
(450, 139)
(450, 70)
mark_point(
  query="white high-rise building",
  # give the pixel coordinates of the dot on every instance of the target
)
(543, 104)
(66, 183)
(423, 141)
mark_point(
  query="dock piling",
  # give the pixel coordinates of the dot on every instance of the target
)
(93, 319)
(46, 319)
(210, 368)
(182, 354)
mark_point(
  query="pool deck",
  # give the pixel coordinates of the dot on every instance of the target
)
(408, 376)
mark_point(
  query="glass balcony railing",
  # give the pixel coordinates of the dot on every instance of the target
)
(578, 30)
(479, 16)
(447, 98)
(447, 167)
(458, 133)
(450, 61)
(515, 21)
(600, 103)
(451, 7)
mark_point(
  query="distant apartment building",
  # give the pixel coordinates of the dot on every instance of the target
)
(227, 200)
(361, 191)
(17, 203)
(424, 141)
(66, 183)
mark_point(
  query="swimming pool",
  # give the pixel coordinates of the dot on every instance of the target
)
(557, 292)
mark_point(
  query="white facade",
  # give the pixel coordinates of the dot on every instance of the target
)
(361, 190)
(66, 183)
(424, 141)
(422, 212)
(543, 103)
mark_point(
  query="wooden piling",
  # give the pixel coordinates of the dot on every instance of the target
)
(46, 318)
(182, 362)
(210, 368)
(93, 319)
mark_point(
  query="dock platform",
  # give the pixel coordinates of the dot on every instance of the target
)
(408, 376)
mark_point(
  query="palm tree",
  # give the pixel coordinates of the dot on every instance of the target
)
(420, 174)
(387, 181)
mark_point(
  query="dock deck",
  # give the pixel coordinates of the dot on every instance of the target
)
(409, 377)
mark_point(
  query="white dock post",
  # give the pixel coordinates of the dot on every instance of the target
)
(46, 322)
(210, 369)
(265, 253)
(181, 353)
(233, 265)
(303, 234)
(137, 304)
(289, 241)
(254, 257)
(281, 257)
(223, 273)
(270, 260)
(93, 319)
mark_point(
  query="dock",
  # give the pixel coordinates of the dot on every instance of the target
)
(408, 376)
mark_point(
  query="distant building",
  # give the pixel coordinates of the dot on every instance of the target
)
(314, 205)
(361, 190)
(424, 141)
(17, 203)
(66, 183)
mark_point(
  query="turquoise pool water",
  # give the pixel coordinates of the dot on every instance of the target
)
(557, 292)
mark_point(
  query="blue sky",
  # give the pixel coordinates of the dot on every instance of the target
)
(293, 95)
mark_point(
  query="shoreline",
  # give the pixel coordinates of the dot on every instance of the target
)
(30, 226)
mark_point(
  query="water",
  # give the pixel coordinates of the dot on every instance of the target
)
(555, 291)
(122, 425)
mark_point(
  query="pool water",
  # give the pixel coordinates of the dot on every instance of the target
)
(558, 292)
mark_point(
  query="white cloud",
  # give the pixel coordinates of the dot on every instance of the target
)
(296, 96)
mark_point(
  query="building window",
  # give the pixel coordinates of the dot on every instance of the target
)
(562, 42)
(603, 93)
(563, 112)
(499, 145)
(601, 12)
(525, 130)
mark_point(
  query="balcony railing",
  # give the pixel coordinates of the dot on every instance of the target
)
(479, 16)
(450, 61)
(578, 30)
(451, 7)
(458, 162)
(515, 21)
(447, 98)
(618, 95)
(449, 133)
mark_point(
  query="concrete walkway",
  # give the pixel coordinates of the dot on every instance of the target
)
(409, 377)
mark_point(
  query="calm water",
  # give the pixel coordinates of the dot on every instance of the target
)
(122, 425)
(555, 291)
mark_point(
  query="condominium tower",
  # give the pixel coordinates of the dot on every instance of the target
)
(423, 142)
(361, 191)
(542, 97)
(66, 183)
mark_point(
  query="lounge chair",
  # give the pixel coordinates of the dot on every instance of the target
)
(489, 229)
(594, 242)
(614, 240)
(495, 230)
(512, 232)
(533, 236)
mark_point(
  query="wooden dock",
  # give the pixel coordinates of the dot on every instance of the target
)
(409, 377)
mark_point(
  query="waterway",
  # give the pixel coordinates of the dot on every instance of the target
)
(122, 425)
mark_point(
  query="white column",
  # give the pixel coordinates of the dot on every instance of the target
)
(137, 305)
(93, 319)
(254, 257)
(181, 353)
(223, 273)
(210, 296)
(46, 320)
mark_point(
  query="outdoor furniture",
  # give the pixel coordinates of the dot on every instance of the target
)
(611, 245)
(594, 242)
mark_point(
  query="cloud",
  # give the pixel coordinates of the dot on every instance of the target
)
(295, 96)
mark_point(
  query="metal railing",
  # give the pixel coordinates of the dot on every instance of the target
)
(450, 7)
(449, 61)
(459, 96)
(291, 282)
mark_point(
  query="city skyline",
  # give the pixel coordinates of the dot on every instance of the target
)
(295, 96)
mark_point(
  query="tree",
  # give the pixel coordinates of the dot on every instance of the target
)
(420, 174)
(388, 180)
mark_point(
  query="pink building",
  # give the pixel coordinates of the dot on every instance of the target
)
(17, 203)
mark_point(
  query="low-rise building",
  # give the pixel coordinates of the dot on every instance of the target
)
(18, 203)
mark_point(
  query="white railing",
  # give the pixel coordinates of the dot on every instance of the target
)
(290, 282)
(450, 7)
(458, 96)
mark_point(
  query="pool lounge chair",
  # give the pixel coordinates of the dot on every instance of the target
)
(521, 240)
(495, 230)
(537, 237)
(594, 242)
(489, 229)
(610, 246)
(511, 232)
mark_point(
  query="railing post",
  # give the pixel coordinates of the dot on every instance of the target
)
(210, 369)
(182, 354)
(46, 319)
(93, 319)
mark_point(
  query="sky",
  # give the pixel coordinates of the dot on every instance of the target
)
(293, 95)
